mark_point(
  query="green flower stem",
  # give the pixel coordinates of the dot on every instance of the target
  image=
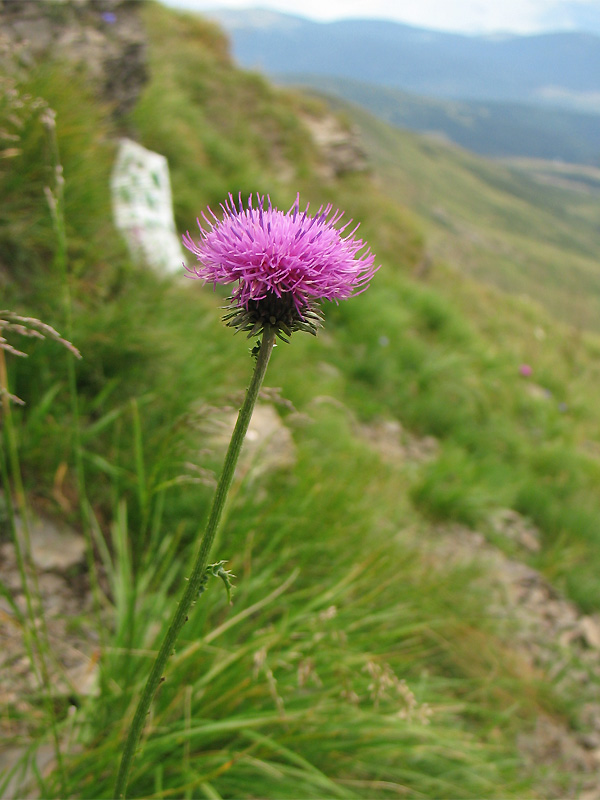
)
(198, 573)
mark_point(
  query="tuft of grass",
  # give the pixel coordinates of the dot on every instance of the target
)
(448, 490)
(334, 674)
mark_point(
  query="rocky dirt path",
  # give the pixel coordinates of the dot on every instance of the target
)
(554, 637)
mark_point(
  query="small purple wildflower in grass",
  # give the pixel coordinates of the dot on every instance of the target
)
(109, 17)
(283, 263)
(525, 370)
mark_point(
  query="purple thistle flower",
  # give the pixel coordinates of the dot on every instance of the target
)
(283, 263)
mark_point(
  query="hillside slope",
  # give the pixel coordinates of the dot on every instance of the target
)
(528, 227)
(498, 130)
(370, 650)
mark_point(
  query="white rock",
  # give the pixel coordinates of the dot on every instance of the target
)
(143, 207)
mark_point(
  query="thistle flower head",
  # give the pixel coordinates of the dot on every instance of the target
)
(282, 263)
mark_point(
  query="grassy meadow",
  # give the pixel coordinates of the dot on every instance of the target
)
(354, 661)
(528, 227)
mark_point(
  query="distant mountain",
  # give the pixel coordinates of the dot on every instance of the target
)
(490, 129)
(560, 70)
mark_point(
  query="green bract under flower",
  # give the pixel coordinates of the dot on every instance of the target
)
(283, 263)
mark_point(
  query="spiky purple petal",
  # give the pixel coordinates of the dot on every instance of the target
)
(269, 253)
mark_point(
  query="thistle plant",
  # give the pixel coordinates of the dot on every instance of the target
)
(282, 265)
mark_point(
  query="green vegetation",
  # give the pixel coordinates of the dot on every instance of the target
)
(528, 229)
(354, 661)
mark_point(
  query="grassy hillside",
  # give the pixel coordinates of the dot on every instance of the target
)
(358, 660)
(528, 231)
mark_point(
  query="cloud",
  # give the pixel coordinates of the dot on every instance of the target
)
(468, 16)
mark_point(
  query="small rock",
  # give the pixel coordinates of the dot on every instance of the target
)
(516, 527)
(268, 445)
(341, 147)
(53, 548)
(590, 632)
(589, 794)
(591, 741)
(83, 678)
(18, 788)
(395, 444)
(590, 715)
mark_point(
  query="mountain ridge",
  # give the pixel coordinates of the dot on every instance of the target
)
(560, 70)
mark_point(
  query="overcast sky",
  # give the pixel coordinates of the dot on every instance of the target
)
(468, 16)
